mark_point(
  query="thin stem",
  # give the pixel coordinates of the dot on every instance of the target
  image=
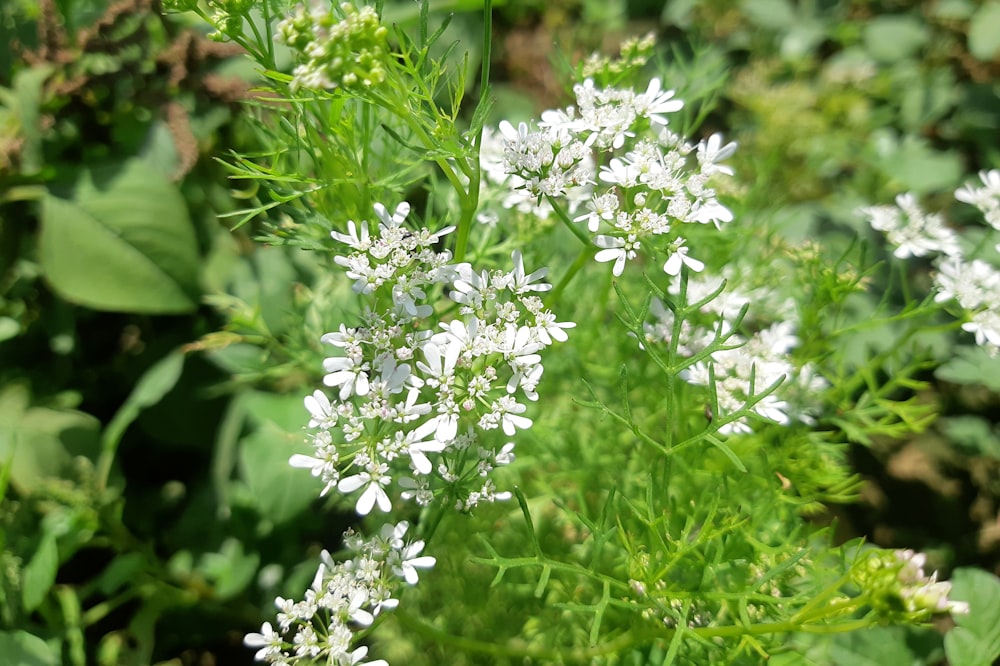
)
(581, 260)
(470, 202)
(575, 228)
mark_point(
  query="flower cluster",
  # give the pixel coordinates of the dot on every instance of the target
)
(654, 181)
(742, 368)
(973, 284)
(345, 48)
(344, 596)
(985, 198)
(633, 54)
(501, 191)
(894, 582)
(422, 404)
(913, 232)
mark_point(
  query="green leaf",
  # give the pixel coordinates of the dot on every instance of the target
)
(914, 165)
(122, 571)
(879, 646)
(40, 573)
(972, 432)
(121, 242)
(230, 569)
(24, 649)
(976, 639)
(280, 491)
(770, 14)
(984, 31)
(971, 365)
(285, 411)
(41, 442)
(893, 38)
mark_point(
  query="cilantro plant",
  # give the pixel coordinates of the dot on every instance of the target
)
(565, 355)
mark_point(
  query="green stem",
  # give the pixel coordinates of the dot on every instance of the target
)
(581, 260)
(573, 227)
(470, 200)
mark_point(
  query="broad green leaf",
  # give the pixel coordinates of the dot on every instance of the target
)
(914, 165)
(976, 639)
(231, 569)
(285, 411)
(972, 432)
(40, 572)
(122, 571)
(42, 442)
(770, 14)
(280, 491)
(265, 281)
(956, 10)
(971, 365)
(892, 38)
(880, 646)
(984, 31)
(24, 649)
(122, 241)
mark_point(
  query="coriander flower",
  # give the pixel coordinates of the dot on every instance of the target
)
(986, 198)
(323, 413)
(350, 375)
(711, 152)
(395, 220)
(373, 478)
(654, 103)
(617, 250)
(323, 464)
(522, 283)
(405, 561)
(913, 232)
(678, 257)
(268, 640)
(354, 659)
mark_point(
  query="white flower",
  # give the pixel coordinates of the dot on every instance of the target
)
(374, 477)
(548, 329)
(679, 257)
(986, 198)
(972, 284)
(711, 152)
(396, 219)
(510, 419)
(354, 659)
(505, 456)
(986, 327)
(603, 207)
(620, 173)
(323, 415)
(617, 250)
(350, 376)
(653, 103)
(417, 445)
(913, 232)
(269, 642)
(358, 241)
(440, 366)
(406, 561)
(522, 283)
(710, 210)
(323, 464)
